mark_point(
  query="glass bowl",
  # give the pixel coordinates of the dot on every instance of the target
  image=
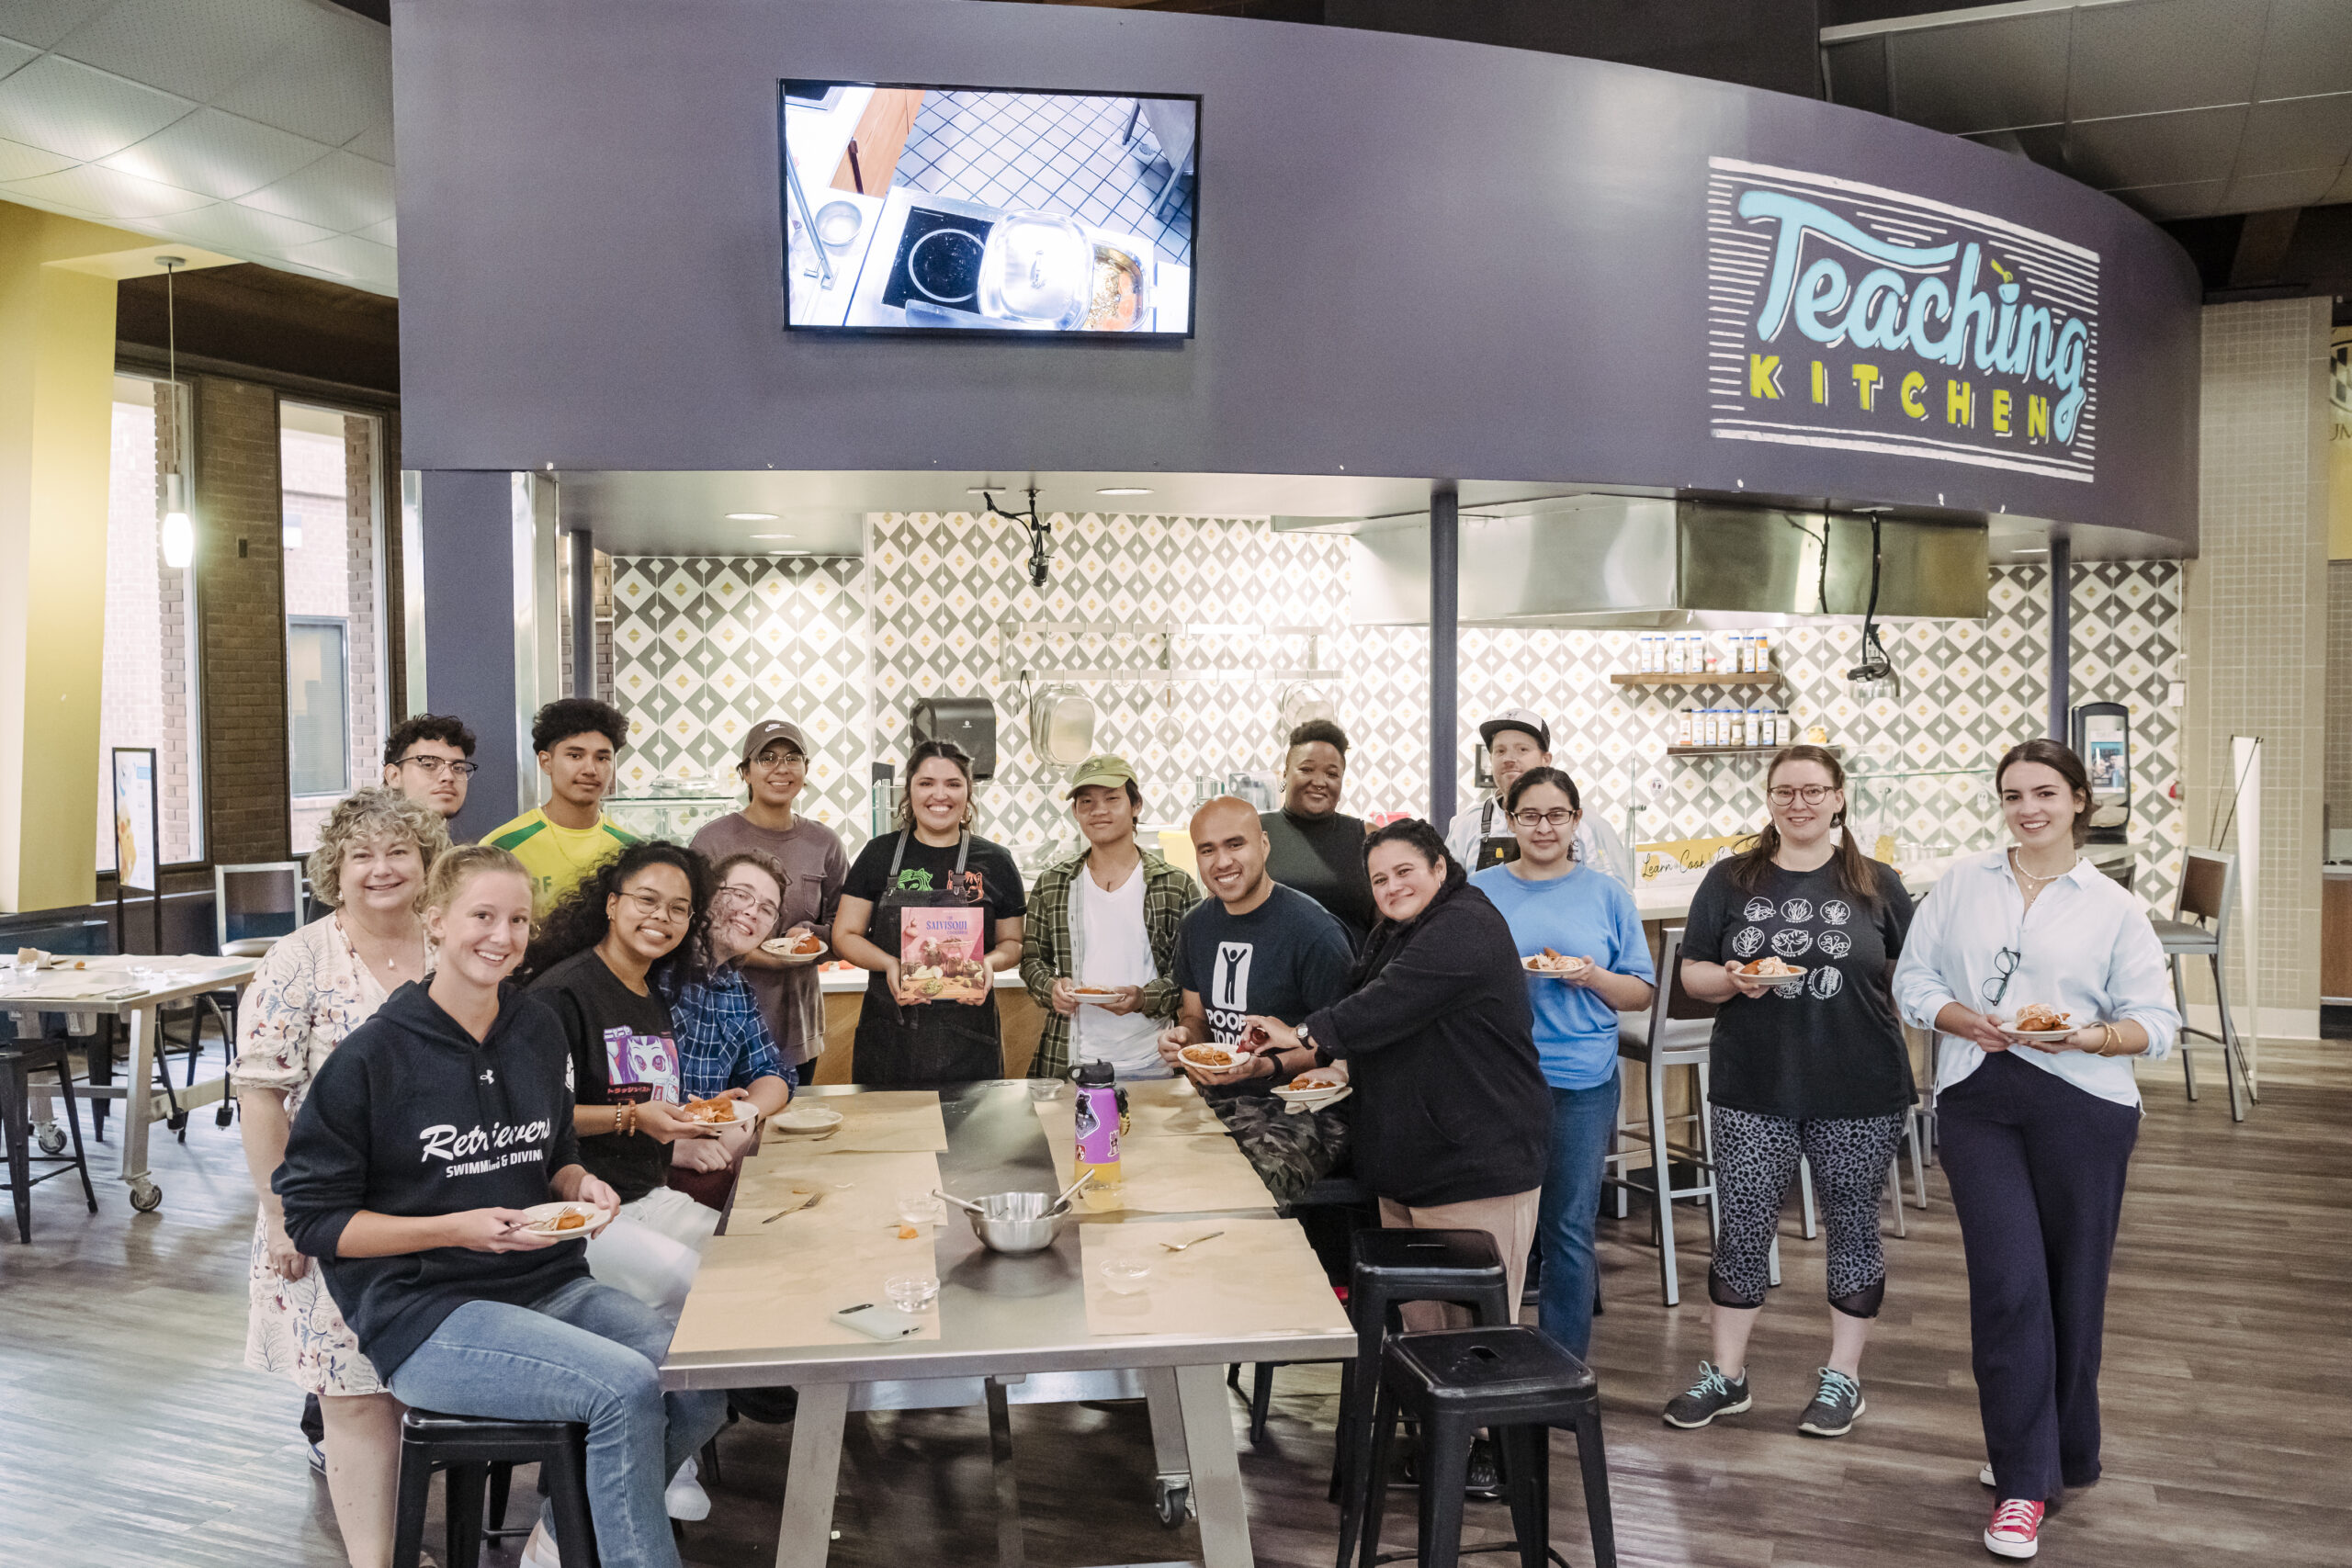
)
(1125, 1276)
(912, 1292)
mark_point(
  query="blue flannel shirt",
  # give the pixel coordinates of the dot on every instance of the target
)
(723, 1043)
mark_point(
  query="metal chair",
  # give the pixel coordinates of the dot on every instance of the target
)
(1675, 1032)
(2199, 927)
(253, 906)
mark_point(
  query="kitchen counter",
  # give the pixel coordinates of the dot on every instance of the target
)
(1665, 905)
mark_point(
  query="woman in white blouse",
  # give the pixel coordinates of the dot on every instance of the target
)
(312, 990)
(2036, 1134)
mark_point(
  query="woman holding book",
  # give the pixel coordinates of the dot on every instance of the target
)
(934, 912)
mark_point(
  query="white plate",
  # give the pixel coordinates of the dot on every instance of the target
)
(1530, 966)
(1795, 973)
(1186, 1056)
(2036, 1034)
(1093, 997)
(744, 1111)
(805, 1119)
(781, 947)
(541, 1214)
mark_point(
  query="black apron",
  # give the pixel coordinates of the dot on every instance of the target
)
(1493, 849)
(932, 1042)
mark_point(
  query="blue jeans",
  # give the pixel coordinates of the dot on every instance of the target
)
(1581, 1121)
(584, 1352)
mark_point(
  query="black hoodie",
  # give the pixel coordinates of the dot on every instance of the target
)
(412, 1116)
(1440, 1042)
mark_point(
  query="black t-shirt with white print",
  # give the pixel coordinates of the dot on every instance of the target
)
(1828, 1043)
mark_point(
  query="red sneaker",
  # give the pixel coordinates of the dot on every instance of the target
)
(2016, 1530)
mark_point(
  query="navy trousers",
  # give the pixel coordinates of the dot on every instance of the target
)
(2037, 1168)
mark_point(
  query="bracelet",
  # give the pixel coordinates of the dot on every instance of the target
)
(2109, 1039)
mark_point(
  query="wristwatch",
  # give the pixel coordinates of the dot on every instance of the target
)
(1306, 1038)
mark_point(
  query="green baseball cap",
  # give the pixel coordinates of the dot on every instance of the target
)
(1105, 769)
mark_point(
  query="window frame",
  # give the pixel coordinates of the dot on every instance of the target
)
(342, 624)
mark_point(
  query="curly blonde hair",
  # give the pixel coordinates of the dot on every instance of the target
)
(372, 814)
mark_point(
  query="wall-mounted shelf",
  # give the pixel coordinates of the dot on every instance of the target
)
(1740, 750)
(1716, 678)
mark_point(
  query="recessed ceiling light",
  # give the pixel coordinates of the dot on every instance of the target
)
(771, 535)
(2036, 550)
(1123, 489)
(751, 517)
(788, 552)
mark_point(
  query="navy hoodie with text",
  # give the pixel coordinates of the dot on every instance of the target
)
(412, 1116)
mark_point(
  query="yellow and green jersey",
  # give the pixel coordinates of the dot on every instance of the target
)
(557, 858)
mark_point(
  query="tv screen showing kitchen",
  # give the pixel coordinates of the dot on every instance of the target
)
(972, 209)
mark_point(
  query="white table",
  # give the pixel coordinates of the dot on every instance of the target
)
(107, 985)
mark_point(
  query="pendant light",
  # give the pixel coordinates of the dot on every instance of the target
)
(179, 532)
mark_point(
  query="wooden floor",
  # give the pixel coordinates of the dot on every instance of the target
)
(132, 1434)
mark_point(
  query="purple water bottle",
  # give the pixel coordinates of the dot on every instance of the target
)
(1098, 1122)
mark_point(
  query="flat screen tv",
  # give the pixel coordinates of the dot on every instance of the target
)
(980, 209)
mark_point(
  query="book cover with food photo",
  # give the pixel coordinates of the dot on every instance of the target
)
(942, 953)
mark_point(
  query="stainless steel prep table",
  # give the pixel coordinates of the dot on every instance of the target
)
(114, 990)
(1013, 1330)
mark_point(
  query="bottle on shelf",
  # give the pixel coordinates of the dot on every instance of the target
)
(1763, 653)
(1682, 726)
(1673, 655)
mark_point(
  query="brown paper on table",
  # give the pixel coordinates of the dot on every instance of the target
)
(1163, 1175)
(775, 1286)
(1260, 1276)
(1170, 1106)
(895, 1121)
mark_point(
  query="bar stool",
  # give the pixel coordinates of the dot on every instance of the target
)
(469, 1448)
(1676, 1032)
(2199, 929)
(19, 1060)
(1390, 1268)
(1514, 1381)
(1330, 1193)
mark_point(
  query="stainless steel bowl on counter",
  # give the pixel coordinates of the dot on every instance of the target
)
(1018, 1223)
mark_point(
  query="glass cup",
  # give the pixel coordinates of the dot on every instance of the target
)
(918, 1209)
(1125, 1276)
(1042, 1089)
(912, 1292)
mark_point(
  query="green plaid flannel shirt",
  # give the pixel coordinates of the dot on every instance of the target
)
(1168, 892)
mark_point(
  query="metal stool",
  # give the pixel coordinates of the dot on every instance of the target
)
(1514, 1381)
(469, 1448)
(1391, 1268)
(2199, 928)
(1332, 1192)
(1675, 1033)
(18, 1062)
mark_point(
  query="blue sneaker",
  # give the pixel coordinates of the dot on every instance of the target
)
(1714, 1395)
(1834, 1409)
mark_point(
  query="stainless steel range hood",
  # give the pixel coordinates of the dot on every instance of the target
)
(1600, 560)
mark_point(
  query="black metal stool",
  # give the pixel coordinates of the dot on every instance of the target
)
(1514, 1381)
(469, 1448)
(1389, 1269)
(19, 1060)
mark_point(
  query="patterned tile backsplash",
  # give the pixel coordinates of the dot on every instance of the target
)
(706, 647)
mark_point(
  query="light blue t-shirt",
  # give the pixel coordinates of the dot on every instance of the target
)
(1586, 915)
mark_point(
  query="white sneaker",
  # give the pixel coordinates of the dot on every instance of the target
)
(684, 1498)
(1984, 1476)
(540, 1551)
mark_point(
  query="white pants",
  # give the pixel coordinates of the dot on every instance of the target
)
(652, 1249)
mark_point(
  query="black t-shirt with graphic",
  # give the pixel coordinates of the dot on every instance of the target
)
(1827, 1043)
(623, 1051)
(1283, 959)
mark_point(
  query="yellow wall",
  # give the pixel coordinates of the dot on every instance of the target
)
(2339, 447)
(57, 338)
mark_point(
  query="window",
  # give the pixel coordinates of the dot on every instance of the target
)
(328, 470)
(145, 695)
(318, 701)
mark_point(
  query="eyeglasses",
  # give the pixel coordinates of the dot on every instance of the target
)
(650, 906)
(2004, 965)
(1811, 794)
(1558, 818)
(745, 898)
(441, 765)
(768, 763)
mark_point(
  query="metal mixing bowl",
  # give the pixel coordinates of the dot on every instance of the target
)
(1018, 1223)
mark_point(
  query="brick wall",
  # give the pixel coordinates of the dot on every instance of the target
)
(183, 804)
(241, 602)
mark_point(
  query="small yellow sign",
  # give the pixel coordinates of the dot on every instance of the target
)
(1681, 859)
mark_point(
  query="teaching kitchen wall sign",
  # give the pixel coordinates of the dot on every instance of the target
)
(1847, 315)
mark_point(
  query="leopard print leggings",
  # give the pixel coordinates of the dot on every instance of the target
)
(1756, 1163)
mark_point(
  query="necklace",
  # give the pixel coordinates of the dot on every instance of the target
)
(2017, 863)
(384, 954)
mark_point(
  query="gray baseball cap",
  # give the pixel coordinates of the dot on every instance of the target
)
(1516, 719)
(782, 729)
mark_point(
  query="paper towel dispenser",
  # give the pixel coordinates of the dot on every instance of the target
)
(971, 722)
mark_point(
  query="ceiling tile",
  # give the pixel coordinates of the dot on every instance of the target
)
(2340, 191)
(2191, 199)
(376, 143)
(2154, 149)
(2301, 134)
(2163, 54)
(13, 54)
(18, 162)
(2264, 193)
(94, 188)
(359, 262)
(2308, 49)
(240, 231)
(194, 47)
(382, 233)
(330, 84)
(42, 22)
(1981, 75)
(341, 192)
(68, 108)
(2045, 144)
(219, 155)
